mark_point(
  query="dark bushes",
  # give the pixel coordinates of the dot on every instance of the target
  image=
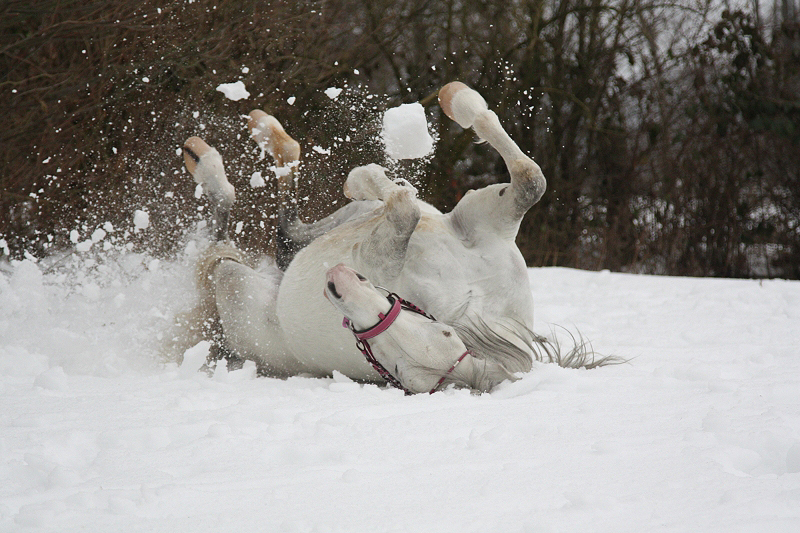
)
(670, 143)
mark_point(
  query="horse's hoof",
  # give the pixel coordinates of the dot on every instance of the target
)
(193, 149)
(269, 133)
(460, 103)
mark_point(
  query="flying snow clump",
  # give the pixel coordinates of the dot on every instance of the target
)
(141, 220)
(234, 91)
(333, 92)
(405, 132)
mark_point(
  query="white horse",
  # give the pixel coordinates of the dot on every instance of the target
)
(462, 267)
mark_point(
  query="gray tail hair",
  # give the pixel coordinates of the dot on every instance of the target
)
(484, 341)
(580, 355)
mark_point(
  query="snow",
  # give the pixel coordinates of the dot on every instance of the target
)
(405, 132)
(257, 180)
(234, 91)
(141, 219)
(332, 92)
(98, 432)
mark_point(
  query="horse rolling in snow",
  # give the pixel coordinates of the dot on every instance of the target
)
(462, 267)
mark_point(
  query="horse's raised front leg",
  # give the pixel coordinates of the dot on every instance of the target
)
(498, 208)
(205, 165)
(383, 253)
(368, 183)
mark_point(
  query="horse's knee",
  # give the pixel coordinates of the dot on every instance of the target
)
(402, 210)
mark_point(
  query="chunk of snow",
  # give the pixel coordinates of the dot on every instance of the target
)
(405, 132)
(333, 92)
(194, 358)
(98, 235)
(52, 379)
(257, 180)
(141, 220)
(74, 236)
(291, 100)
(234, 91)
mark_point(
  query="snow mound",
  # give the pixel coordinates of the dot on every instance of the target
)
(405, 132)
(101, 430)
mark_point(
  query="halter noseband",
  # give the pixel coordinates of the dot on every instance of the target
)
(386, 320)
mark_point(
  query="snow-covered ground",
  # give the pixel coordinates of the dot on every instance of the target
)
(700, 432)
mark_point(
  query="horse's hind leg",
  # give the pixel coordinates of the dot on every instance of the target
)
(246, 301)
(205, 165)
(269, 134)
(293, 234)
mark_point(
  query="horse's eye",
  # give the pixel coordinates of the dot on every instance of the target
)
(360, 277)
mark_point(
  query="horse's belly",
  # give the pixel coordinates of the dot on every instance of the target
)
(312, 326)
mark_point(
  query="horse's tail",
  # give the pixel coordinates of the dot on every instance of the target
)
(580, 355)
(515, 347)
(202, 322)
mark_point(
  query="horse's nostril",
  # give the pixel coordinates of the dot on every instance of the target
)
(332, 290)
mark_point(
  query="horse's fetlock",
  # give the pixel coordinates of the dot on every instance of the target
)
(528, 181)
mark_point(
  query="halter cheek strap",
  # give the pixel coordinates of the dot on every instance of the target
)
(398, 304)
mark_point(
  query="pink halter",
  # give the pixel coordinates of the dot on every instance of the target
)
(398, 304)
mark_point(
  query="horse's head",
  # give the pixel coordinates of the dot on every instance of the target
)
(416, 350)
